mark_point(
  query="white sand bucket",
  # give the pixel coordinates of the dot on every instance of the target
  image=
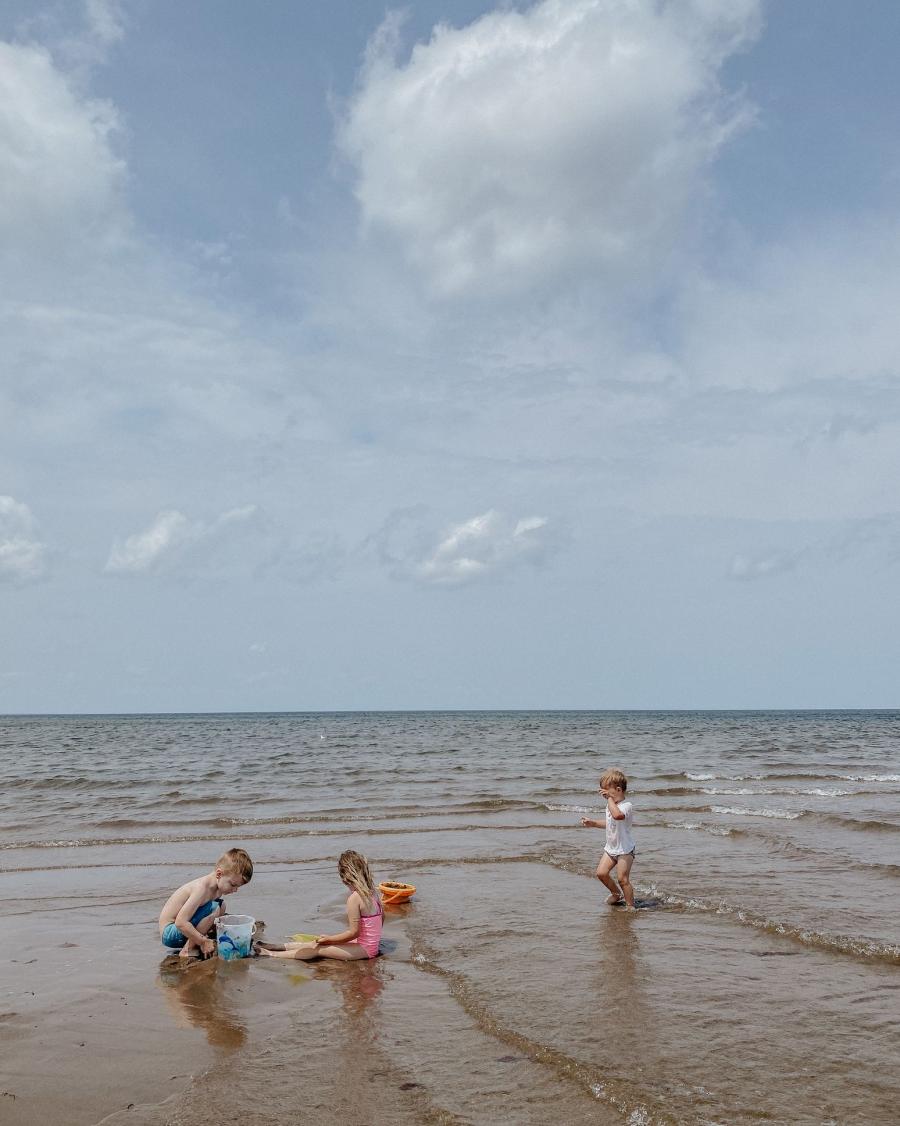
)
(234, 935)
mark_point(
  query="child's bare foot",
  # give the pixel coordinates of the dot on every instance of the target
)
(613, 899)
(262, 950)
(189, 952)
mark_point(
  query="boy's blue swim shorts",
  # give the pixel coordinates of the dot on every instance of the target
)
(172, 936)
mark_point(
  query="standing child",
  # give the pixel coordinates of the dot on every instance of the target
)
(364, 919)
(619, 850)
(189, 913)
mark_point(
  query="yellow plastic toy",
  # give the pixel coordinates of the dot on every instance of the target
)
(392, 891)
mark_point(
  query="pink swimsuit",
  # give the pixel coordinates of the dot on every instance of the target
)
(369, 936)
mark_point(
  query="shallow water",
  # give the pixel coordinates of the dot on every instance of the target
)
(759, 981)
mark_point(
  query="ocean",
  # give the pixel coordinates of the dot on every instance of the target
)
(759, 980)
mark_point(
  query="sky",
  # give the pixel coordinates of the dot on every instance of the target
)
(539, 355)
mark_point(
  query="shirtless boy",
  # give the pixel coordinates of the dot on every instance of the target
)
(190, 912)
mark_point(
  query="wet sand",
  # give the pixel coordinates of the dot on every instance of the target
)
(99, 1027)
(759, 981)
(469, 1016)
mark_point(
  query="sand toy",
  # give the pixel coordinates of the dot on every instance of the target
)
(234, 935)
(392, 891)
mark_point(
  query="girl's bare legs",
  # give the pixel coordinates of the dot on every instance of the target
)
(604, 869)
(623, 875)
(345, 952)
(304, 951)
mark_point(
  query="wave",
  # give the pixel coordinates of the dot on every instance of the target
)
(864, 949)
(297, 833)
(616, 1093)
(345, 814)
(778, 776)
(785, 814)
(783, 845)
(845, 822)
(784, 791)
(552, 808)
(870, 825)
(714, 830)
(66, 782)
(757, 791)
(870, 777)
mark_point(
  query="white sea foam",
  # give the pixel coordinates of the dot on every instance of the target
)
(819, 792)
(871, 777)
(716, 830)
(788, 815)
(552, 807)
(700, 777)
(726, 790)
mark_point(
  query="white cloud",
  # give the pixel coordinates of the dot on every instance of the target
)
(484, 545)
(570, 135)
(102, 329)
(761, 566)
(144, 550)
(166, 542)
(105, 20)
(22, 555)
(59, 177)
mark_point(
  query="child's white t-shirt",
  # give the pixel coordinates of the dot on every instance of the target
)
(618, 833)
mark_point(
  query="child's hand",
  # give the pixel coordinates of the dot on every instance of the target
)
(207, 948)
(587, 823)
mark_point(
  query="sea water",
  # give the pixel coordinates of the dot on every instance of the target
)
(759, 980)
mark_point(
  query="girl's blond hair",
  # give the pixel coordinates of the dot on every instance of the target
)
(353, 868)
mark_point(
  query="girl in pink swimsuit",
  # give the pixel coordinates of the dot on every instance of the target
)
(364, 919)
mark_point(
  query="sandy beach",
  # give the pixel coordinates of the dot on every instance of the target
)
(99, 1027)
(755, 981)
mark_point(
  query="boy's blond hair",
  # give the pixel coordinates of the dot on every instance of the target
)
(353, 868)
(238, 863)
(614, 778)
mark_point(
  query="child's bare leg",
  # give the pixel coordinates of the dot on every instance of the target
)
(604, 870)
(346, 952)
(301, 951)
(623, 873)
(190, 948)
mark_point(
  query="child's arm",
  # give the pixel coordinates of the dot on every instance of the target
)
(613, 808)
(352, 926)
(195, 900)
(590, 823)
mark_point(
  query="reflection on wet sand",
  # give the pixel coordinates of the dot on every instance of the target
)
(197, 995)
(623, 986)
(358, 984)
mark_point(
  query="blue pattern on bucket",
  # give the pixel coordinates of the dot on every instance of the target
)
(229, 949)
(234, 934)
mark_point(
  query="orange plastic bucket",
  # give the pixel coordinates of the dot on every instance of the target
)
(392, 891)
